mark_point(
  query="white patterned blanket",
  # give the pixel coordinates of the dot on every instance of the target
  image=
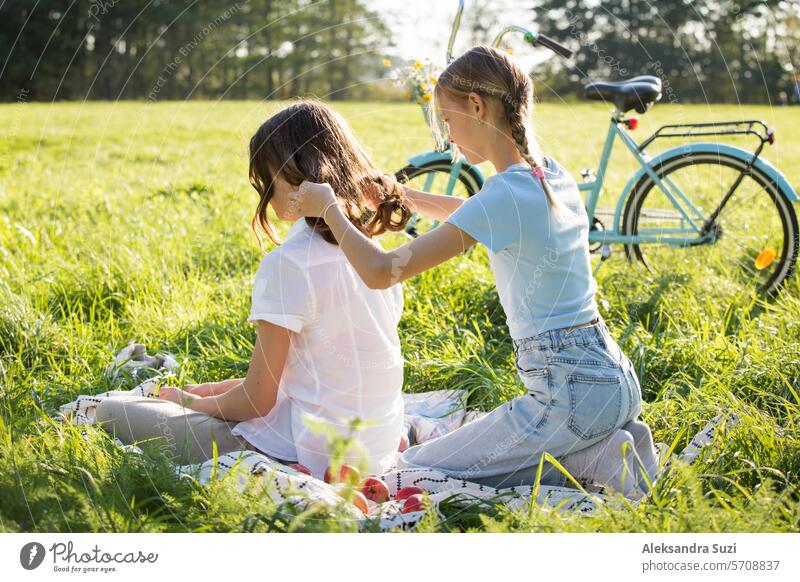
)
(428, 415)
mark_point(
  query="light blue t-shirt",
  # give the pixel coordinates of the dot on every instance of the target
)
(540, 260)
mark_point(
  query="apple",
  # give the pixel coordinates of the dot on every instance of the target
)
(357, 498)
(300, 468)
(347, 474)
(350, 474)
(375, 490)
(403, 443)
(407, 492)
(360, 501)
(414, 503)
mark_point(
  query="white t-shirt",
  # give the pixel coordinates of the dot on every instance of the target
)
(344, 358)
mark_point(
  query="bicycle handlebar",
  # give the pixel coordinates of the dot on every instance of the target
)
(530, 37)
(554, 46)
(534, 39)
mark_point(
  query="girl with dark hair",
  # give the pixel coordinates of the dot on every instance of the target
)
(327, 355)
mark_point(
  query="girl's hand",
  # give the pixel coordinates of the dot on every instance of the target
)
(312, 199)
(212, 388)
(372, 196)
(176, 395)
(199, 389)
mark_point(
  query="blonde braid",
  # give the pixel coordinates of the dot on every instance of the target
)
(516, 111)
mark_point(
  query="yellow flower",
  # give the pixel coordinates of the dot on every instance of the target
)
(387, 63)
(432, 80)
(417, 65)
(426, 97)
(423, 86)
(765, 258)
(510, 51)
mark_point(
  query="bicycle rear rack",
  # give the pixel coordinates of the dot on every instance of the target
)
(745, 127)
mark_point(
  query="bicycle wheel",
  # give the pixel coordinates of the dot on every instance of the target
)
(434, 177)
(754, 239)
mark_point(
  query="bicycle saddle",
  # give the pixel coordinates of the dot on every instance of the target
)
(639, 93)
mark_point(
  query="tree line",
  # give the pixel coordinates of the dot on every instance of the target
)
(180, 49)
(704, 50)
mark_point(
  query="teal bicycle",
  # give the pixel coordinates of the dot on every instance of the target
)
(729, 211)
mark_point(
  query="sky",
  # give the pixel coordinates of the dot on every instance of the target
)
(421, 28)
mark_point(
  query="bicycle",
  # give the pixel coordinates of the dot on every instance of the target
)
(734, 209)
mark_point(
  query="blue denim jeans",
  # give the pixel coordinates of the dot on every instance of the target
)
(580, 388)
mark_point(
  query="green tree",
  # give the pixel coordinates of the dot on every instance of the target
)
(704, 50)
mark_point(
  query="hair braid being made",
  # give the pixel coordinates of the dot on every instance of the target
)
(516, 110)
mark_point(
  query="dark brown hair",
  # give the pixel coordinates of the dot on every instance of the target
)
(494, 75)
(310, 141)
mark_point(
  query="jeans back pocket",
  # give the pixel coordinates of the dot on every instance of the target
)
(595, 403)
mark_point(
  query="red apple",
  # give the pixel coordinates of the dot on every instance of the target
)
(407, 492)
(300, 468)
(350, 474)
(375, 490)
(414, 503)
(347, 474)
(403, 443)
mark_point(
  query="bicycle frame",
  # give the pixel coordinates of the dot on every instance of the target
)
(692, 234)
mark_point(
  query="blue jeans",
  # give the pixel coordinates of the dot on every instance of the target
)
(581, 387)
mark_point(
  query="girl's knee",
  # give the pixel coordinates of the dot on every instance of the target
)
(407, 459)
(123, 416)
(108, 410)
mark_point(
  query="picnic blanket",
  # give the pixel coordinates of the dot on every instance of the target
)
(428, 415)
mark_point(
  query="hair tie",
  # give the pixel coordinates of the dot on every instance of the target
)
(538, 171)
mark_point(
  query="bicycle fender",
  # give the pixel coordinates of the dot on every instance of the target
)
(431, 156)
(701, 148)
(447, 157)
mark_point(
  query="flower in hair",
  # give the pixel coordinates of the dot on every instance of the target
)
(538, 171)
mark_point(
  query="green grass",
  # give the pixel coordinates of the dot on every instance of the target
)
(131, 221)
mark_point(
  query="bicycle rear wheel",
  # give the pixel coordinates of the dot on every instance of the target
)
(435, 177)
(753, 241)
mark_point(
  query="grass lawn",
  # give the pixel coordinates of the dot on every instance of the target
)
(123, 221)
